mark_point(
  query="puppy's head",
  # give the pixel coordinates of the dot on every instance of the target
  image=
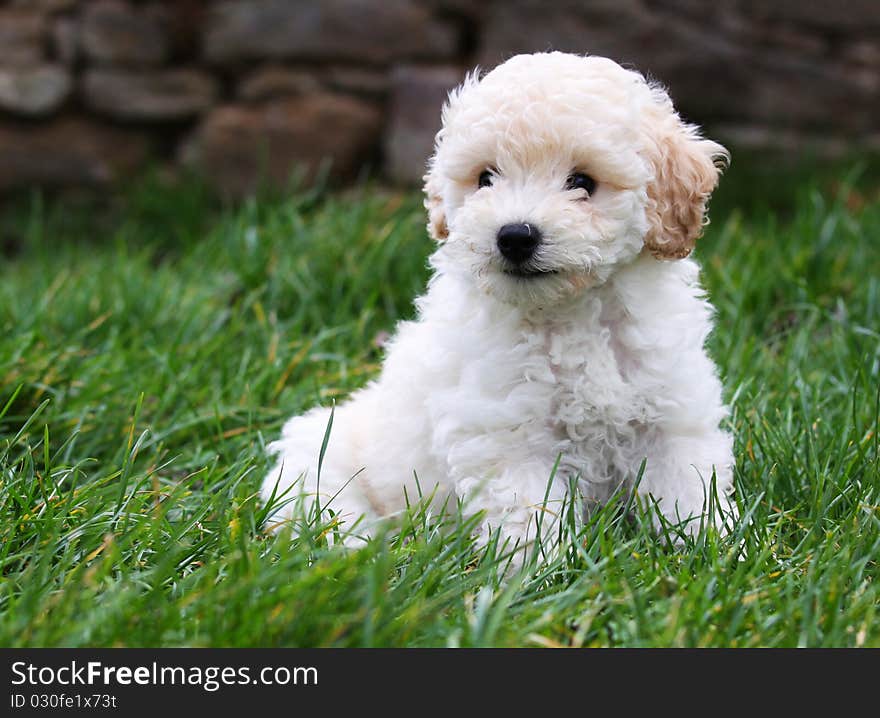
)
(554, 170)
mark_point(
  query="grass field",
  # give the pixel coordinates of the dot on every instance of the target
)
(150, 349)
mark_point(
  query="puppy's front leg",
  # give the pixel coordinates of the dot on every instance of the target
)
(520, 503)
(691, 478)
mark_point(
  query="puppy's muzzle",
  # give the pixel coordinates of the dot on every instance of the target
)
(518, 242)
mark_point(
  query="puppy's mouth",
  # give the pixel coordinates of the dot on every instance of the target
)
(527, 272)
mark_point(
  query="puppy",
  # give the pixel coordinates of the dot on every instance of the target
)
(563, 327)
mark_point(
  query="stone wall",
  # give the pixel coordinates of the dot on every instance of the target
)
(245, 90)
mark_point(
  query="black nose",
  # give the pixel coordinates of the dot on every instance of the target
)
(517, 242)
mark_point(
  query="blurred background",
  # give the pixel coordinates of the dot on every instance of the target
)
(244, 91)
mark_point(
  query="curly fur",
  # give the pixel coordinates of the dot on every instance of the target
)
(598, 362)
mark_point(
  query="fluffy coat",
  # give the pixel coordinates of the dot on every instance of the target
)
(594, 359)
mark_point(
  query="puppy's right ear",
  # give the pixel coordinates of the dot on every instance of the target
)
(686, 170)
(437, 228)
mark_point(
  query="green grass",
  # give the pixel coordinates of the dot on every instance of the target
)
(149, 350)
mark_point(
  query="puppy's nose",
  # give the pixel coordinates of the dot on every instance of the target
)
(517, 242)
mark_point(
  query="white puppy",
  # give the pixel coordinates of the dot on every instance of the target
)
(564, 322)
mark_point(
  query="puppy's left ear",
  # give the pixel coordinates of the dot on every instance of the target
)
(437, 228)
(686, 170)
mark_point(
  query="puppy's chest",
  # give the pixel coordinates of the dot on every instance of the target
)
(595, 379)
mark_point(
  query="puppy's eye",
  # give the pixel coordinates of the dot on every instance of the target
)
(579, 180)
(485, 179)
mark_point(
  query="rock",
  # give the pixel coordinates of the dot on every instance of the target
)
(725, 75)
(335, 30)
(273, 81)
(531, 26)
(835, 16)
(34, 92)
(113, 31)
(46, 5)
(799, 42)
(417, 96)
(786, 145)
(22, 35)
(154, 95)
(65, 40)
(796, 94)
(240, 147)
(357, 80)
(468, 10)
(624, 30)
(863, 52)
(67, 152)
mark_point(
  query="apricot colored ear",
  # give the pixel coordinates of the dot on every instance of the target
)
(686, 170)
(437, 228)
